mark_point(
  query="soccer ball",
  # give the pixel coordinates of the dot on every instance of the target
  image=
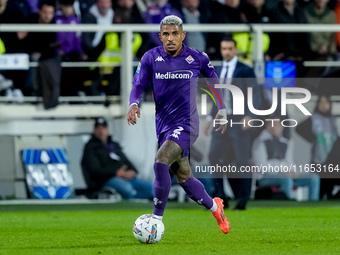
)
(148, 229)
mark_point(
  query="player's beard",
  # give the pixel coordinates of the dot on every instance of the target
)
(173, 52)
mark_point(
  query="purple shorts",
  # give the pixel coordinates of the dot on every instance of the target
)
(183, 137)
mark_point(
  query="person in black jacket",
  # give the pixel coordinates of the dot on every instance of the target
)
(101, 13)
(227, 13)
(105, 164)
(288, 45)
(256, 12)
(41, 45)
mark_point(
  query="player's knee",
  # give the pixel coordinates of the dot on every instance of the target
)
(163, 160)
(162, 157)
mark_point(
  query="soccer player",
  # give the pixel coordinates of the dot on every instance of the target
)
(170, 68)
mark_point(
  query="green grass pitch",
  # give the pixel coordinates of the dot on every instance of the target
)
(264, 228)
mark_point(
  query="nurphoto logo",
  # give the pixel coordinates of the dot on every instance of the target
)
(238, 104)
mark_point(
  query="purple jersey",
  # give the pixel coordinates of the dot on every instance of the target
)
(174, 98)
(70, 41)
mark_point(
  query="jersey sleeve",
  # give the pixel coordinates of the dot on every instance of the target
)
(142, 76)
(208, 71)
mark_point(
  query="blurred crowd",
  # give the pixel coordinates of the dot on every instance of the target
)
(273, 145)
(49, 49)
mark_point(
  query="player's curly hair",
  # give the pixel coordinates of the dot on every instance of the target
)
(172, 20)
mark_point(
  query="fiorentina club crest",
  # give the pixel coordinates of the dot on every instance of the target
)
(190, 59)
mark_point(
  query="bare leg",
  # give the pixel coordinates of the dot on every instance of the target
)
(168, 153)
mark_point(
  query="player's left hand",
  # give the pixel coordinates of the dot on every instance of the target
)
(131, 116)
(222, 127)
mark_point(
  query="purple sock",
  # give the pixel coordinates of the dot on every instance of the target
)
(196, 191)
(161, 188)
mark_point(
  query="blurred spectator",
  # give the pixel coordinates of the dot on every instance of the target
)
(156, 11)
(272, 149)
(101, 13)
(70, 49)
(203, 8)
(289, 46)
(321, 131)
(228, 13)
(331, 3)
(94, 43)
(81, 7)
(42, 47)
(317, 12)
(11, 12)
(105, 164)
(337, 15)
(192, 15)
(33, 5)
(125, 12)
(256, 11)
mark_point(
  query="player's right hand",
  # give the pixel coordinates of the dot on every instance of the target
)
(131, 116)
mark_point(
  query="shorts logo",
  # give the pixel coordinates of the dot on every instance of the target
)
(156, 201)
(190, 59)
(177, 132)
